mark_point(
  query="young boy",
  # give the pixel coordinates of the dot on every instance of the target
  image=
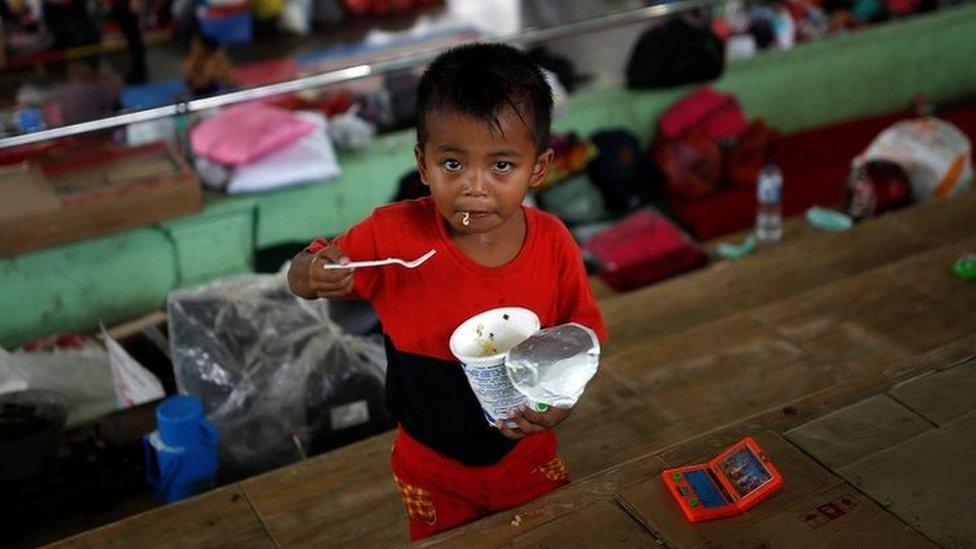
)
(483, 114)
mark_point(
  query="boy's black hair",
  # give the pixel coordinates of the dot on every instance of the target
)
(480, 80)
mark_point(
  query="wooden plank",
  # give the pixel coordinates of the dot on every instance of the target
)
(715, 374)
(938, 358)
(866, 321)
(926, 481)
(507, 526)
(781, 418)
(136, 326)
(940, 396)
(857, 431)
(963, 429)
(895, 235)
(654, 506)
(725, 288)
(627, 423)
(717, 291)
(25, 191)
(879, 530)
(937, 222)
(223, 517)
(866, 246)
(328, 510)
(931, 272)
(334, 499)
(795, 229)
(599, 524)
(601, 290)
(646, 468)
(839, 516)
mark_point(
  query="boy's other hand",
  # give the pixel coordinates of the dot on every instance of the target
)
(308, 279)
(530, 422)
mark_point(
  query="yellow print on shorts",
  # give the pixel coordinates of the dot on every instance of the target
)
(554, 470)
(419, 503)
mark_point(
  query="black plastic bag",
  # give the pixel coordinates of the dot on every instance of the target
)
(675, 53)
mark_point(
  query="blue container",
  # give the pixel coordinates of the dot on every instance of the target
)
(181, 457)
(29, 119)
(227, 29)
(156, 94)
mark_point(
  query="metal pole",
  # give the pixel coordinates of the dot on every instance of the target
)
(353, 73)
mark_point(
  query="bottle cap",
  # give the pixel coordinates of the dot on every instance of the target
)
(965, 267)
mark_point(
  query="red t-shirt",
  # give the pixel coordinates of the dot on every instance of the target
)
(420, 308)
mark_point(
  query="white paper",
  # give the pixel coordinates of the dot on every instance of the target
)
(134, 384)
(12, 378)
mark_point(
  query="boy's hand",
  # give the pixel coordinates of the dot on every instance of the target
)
(308, 279)
(531, 422)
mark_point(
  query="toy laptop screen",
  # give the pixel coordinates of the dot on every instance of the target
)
(744, 470)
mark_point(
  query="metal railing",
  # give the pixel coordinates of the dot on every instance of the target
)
(529, 35)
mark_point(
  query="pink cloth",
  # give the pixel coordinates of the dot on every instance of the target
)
(244, 133)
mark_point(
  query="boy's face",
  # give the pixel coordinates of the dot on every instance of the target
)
(476, 168)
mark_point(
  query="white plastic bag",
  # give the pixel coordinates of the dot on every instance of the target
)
(934, 153)
(83, 376)
(95, 381)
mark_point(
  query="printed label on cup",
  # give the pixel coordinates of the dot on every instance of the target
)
(495, 391)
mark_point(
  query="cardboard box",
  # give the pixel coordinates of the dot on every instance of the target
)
(67, 195)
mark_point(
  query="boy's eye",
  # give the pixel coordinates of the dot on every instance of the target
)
(503, 166)
(451, 165)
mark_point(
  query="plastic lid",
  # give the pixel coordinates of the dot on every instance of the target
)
(180, 408)
(829, 220)
(736, 251)
(965, 267)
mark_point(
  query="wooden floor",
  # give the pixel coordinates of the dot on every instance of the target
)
(776, 346)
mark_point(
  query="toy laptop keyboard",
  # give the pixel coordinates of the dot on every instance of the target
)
(728, 485)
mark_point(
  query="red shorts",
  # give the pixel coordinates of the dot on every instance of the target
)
(440, 493)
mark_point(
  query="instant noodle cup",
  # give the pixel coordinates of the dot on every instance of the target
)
(481, 344)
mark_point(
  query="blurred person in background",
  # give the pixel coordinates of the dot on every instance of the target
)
(88, 93)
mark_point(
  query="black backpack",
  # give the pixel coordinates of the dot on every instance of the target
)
(675, 53)
(622, 172)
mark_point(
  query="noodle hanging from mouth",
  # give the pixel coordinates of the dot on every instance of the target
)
(466, 218)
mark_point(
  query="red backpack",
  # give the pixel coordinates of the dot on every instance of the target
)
(704, 142)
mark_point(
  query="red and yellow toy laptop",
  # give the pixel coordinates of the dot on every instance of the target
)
(733, 482)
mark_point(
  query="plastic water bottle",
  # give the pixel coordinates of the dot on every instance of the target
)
(769, 219)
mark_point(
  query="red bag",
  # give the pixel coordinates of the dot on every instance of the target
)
(692, 165)
(718, 115)
(687, 147)
(643, 248)
(746, 158)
